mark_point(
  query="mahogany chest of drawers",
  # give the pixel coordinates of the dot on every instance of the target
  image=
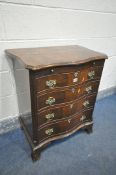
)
(64, 82)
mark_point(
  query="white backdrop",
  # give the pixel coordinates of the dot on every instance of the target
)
(36, 23)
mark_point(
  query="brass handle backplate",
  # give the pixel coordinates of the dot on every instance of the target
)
(91, 74)
(49, 131)
(76, 74)
(50, 101)
(51, 83)
(88, 89)
(86, 103)
(82, 118)
(49, 116)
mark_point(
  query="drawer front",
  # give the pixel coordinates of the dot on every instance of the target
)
(66, 95)
(57, 80)
(78, 76)
(64, 126)
(58, 113)
(68, 68)
(90, 74)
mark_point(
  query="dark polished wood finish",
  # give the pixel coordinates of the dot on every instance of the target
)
(64, 82)
(43, 57)
(64, 96)
(64, 111)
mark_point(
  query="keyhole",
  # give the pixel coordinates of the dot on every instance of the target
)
(73, 90)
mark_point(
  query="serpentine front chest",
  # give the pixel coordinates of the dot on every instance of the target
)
(64, 82)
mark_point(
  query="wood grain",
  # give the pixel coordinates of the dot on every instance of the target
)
(65, 126)
(39, 58)
(72, 101)
(65, 95)
(64, 111)
(78, 76)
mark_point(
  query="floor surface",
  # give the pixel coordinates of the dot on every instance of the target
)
(80, 154)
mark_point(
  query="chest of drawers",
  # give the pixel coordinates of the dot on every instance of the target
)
(64, 82)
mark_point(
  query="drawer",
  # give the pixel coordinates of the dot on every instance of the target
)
(58, 113)
(67, 68)
(60, 80)
(57, 80)
(90, 74)
(66, 95)
(64, 126)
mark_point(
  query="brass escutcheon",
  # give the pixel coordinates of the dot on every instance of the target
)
(52, 70)
(71, 106)
(73, 90)
(69, 120)
(75, 80)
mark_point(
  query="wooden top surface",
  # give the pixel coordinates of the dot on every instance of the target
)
(38, 58)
